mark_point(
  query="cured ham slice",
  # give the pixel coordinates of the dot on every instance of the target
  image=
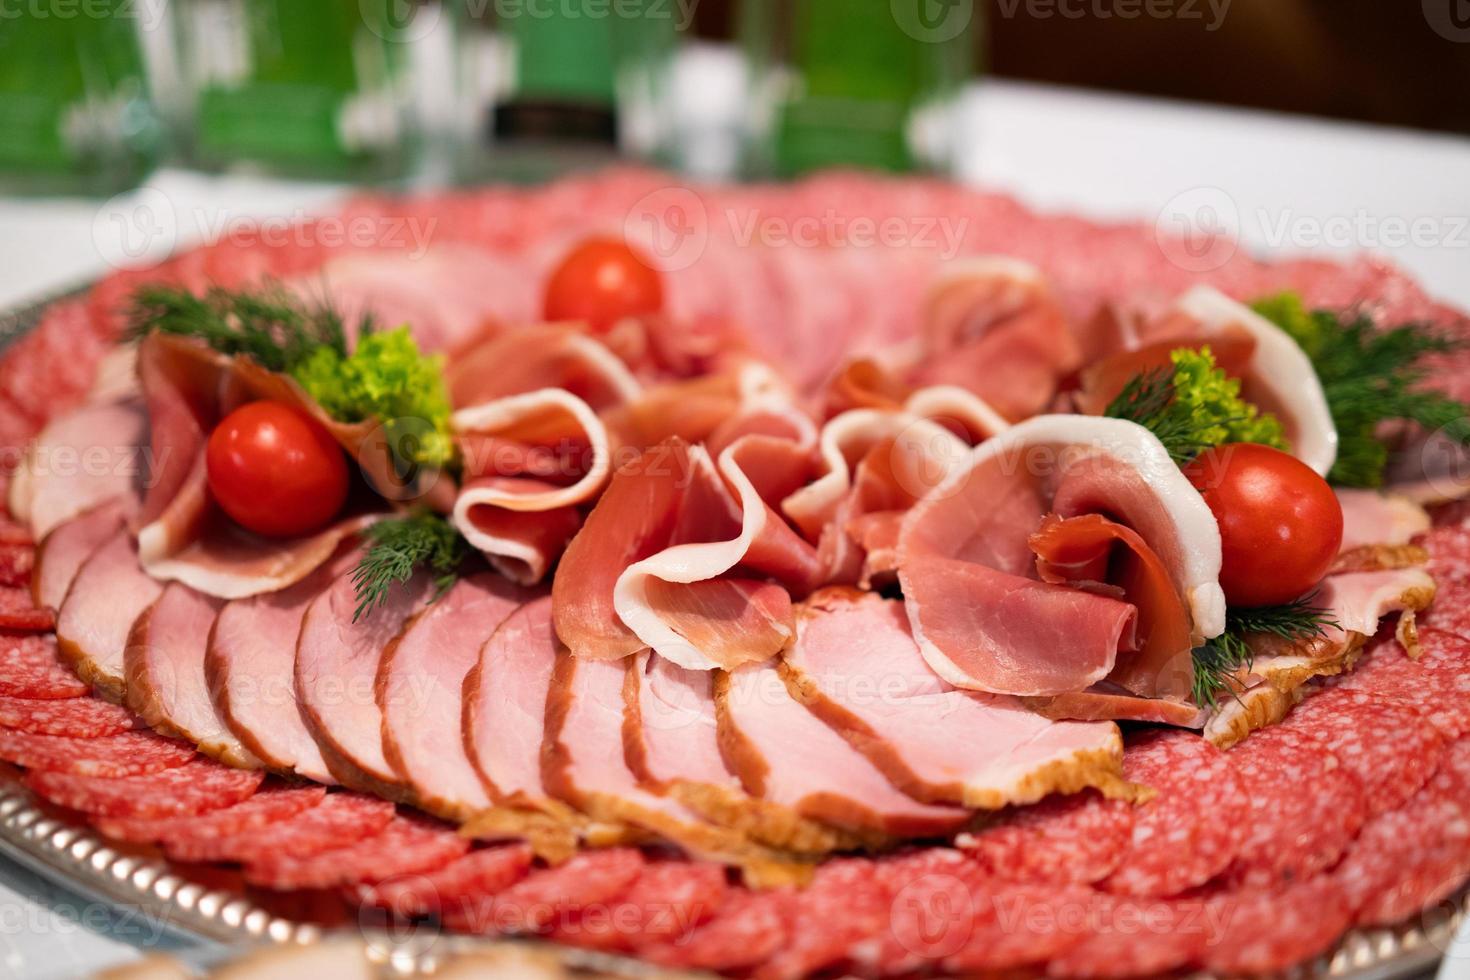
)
(63, 551)
(1371, 519)
(337, 665)
(991, 326)
(166, 681)
(785, 754)
(84, 459)
(982, 618)
(420, 689)
(537, 359)
(250, 666)
(671, 742)
(583, 763)
(183, 535)
(934, 742)
(1358, 601)
(109, 592)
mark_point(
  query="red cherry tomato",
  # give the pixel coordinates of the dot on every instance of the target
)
(602, 281)
(275, 470)
(1280, 522)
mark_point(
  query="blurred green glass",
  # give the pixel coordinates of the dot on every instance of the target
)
(311, 88)
(867, 84)
(74, 107)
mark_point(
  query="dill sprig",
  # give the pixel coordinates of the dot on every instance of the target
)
(399, 548)
(1148, 400)
(269, 324)
(1370, 376)
(1217, 661)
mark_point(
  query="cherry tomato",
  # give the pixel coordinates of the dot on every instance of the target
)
(275, 470)
(1280, 522)
(602, 281)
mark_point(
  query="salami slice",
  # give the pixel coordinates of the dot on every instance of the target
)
(18, 611)
(13, 532)
(1290, 834)
(669, 899)
(932, 911)
(1266, 931)
(1192, 829)
(1076, 839)
(1451, 609)
(17, 561)
(30, 668)
(846, 903)
(1437, 685)
(128, 754)
(1124, 936)
(1391, 748)
(750, 928)
(339, 820)
(1017, 925)
(407, 845)
(478, 875)
(266, 807)
(196, 787)
(543, 897)
(84, 717)
(1449, 554)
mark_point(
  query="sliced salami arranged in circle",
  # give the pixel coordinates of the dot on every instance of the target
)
(1291, 834)
(1018, 926)
(847, 902)
(407, 845)
(1449, 555)
(1267, 930)
(481, 873)
(1451, 609)
(1123, 936)
(31, 668)
(669, 899)
(196, 787)
(84, 717)
(1078, 839)
(1437, 685)
(338, 821)
(750, 928)
(18, 611)
(128, 754)
(546, 896)
(266, 807)
(1195, 825)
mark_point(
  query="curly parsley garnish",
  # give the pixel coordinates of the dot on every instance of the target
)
(1216, 662)
(1194, 406)
(396, 549)
(1370, 376)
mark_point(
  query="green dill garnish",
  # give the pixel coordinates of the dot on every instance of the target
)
(1216, 662)
(1370, 376)
(399, 548)
(1194, 406)
(268, 324)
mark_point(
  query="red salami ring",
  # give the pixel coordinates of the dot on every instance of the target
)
(266, 807)
(83, 717)
(17, 561)
(535, 903)
(1437, 685)
(749, 929)
(407, 845)
(1129, 937)
(1076, 839)
(669, 899)
(128, 754)
(1265, 931)
(30, 668)
(193, 788)
(339, 820)
(477, 875)
(18, 612)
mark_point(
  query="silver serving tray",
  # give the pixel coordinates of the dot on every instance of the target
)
(81, 861)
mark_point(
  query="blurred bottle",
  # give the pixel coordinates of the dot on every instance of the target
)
(548, 86)
(872, 83)
(311, 88)
(74, 104)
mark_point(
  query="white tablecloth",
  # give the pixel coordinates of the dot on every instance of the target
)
(1288, 185)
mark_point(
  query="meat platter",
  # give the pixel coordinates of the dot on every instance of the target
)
(879, 607)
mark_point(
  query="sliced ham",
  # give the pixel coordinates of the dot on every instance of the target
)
(110, 591)
(785, 754)
(166, 683)
(536, 359)
(420, 689)
(250, 665)
(979, 613)
(855, 665)
(1373, 519)
(81, 460)
(62, 552)
(1357, 601)
(337, 665)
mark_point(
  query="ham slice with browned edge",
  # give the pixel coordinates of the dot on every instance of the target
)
(61, 553)
(109, 593)
(337, 664)
(671, 742)
(785, 754)
(583, 764)
(78, 462)
(420, 689)
(167, 686)
(855, 665)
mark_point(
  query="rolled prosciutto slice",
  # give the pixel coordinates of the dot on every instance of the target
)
(420, 689)
(936, 743)
(985, 617)
(785, 754)
(337, 665)
(109, 593)
(84, 459)
(250, 666)
(167, 685)
(62, 552)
